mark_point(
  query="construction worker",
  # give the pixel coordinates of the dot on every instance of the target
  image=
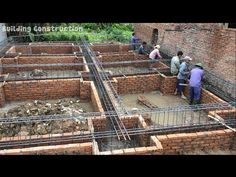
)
(134, 41)
(154, 55)
(175, 63)
(196, 77)
(143, 49)
(174, 67)
(183, 74)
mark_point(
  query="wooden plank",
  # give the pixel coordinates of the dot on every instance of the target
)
(143, 101)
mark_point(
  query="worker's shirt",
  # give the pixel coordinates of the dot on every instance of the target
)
(175, 65)
(154, 54)
(196, 76)
(142, 50)
(183, 71)
(134, 40)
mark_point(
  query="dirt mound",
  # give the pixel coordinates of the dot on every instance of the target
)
(67, 106)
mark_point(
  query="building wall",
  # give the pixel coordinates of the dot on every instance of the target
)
(209, 43)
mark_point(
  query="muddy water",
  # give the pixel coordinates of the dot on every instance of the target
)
(130, 100)
(162, 101)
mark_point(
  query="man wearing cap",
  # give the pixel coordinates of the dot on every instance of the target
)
(183, 75)
(196, 76)
(154, 55)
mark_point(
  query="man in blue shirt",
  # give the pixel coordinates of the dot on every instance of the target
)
(134, 41)
(196, 77)
(143, 49)
(183, 75)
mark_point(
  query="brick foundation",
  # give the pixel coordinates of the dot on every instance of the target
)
(43, 89)
(168, 84)
(2, 96)
(95, 99)
(103, 48)
(129, 56)
(190, 142)
(85, 90)
(99, 123)
(224, 114)
(50, 89)
(42, 60)
(78, 148)
(48, 49)
(208, 97)
(138, 84)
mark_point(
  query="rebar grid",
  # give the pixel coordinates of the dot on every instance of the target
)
(64, 139)
(77, 64)
(219, 86)
(83, 116)
(151, 129)
(103, 91)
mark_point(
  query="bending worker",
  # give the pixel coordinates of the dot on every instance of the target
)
(143, 49)
(196, 77)
(155, 54)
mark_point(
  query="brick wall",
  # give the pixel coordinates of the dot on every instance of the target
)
(99, 123)
(143, 139)
(128, 56)
(224, 114)
(208, 97)
(42, 60)
(124, 48)
(138, 84)
(114, 83)
(95, 99)
(85, 90)
(208, 43)
(111, 57)
(130, 121)
(78, 148)
(103, 48)
(2, 96)
(190, 142)
(43, 89)
(233, 146)
(168, 84)
(49, 49)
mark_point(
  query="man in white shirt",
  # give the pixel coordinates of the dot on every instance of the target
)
(174, 66)
(175, 63)
(154, 55)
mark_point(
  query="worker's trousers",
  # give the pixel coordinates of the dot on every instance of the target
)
(195, 94)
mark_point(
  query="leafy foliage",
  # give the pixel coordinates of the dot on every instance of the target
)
(94, 32)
